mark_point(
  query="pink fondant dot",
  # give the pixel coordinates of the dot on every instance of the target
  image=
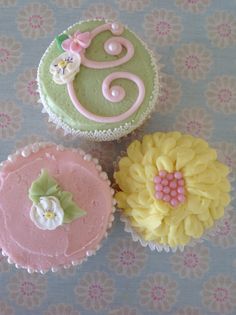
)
(157, 179)
(174, 202)
(159, 187)
(178, 175)
(181, 198)
(159, 195)
(173, 193)
(173, 184)
(162, 173)
(166, 198)
(166, 190)
(180, 190)
(164, 182)
(170, 176)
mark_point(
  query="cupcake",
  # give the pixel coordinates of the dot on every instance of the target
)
(56, 206)
(98, 80)
(172, 190)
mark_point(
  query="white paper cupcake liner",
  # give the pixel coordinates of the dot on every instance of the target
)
(32, 148)
(107, 134)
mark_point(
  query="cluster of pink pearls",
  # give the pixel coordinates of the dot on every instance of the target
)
(170, 187)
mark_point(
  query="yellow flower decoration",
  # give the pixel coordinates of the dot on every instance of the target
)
(206, 187)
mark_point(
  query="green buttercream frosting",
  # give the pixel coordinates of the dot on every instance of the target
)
(88, 82)
(45, 186)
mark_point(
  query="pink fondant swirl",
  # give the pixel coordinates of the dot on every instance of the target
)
(113, 94)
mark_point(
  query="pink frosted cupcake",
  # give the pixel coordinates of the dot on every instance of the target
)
(56, 205)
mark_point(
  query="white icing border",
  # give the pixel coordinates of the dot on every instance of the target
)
(35, 147)
(106, 134)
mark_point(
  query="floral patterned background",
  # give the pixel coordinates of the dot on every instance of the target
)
(197, 42)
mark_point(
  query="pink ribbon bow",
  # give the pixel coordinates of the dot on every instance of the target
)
(77, 42)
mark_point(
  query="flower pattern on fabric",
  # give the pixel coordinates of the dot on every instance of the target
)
(124, 311)
(65, 67)
(68, 3)
(4, 266)
(193, 262)
(189, 310)
(218, 294)
(27, 290)
(26, 87)
(195, 121)
(100, 11)
(24, 141)
(127, 258)
(10, 119)
(227, 154)
(163, 27)
(158, 292)
(170, 94)
(194, 6)
(66, 273)
(61, 309)
(192, 61)
(225, 234)
(35, 20)
(95, 291)
(132, 5)
(221, 94)
(10, 54)
(204, 176)
(221, 27)
(58, 133)
(6, 309)
(7, 3)
(47, 214)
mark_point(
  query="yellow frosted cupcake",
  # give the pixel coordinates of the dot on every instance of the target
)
(172, 189)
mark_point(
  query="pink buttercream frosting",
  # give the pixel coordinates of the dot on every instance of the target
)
(30, 247)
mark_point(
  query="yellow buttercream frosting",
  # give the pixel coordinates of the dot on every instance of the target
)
(206, 185)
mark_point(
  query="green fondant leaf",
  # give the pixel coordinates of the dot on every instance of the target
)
(71, 210)
(45, 185)
(60, 39)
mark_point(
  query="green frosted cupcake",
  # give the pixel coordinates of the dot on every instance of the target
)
(98, 80)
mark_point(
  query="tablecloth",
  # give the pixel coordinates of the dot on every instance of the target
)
(195, 40)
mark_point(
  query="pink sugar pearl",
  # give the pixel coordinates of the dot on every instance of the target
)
(174, 202)
(180, 190)
(173, 193)
(162, 173)
(178, 175)
(181, 182)
(166, 190)
(159, 195)
(166, 198)
(159, 187)
(164, 182)
(173, 184)
(170, 176)
(157, 179)
(181, 198)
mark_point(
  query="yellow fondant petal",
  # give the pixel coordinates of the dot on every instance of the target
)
(137, 173)
(163, 162)
(193, 227)
(134, 152)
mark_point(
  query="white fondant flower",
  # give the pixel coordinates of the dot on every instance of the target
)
(65, 67)
(47, 214)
